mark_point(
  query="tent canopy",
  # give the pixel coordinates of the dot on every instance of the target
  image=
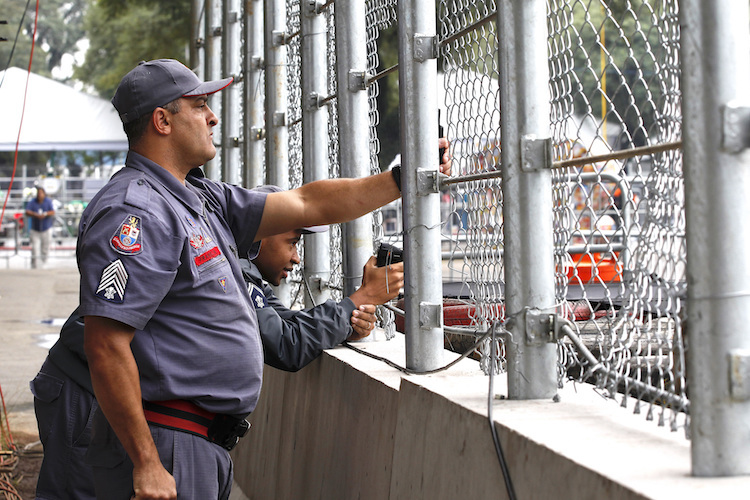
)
(57, 117)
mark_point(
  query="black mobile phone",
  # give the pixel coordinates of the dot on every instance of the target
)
(388, 254)
(440, 134)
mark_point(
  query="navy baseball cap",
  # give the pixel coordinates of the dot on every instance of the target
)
(156, 83)
(270, 188)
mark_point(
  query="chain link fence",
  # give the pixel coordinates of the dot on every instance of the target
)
(619, 223)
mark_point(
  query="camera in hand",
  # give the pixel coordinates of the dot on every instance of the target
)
(388, 254)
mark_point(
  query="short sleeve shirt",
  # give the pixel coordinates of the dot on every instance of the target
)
(45, 206)
(163, 257)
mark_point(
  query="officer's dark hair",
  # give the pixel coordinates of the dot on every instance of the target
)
(135, 129)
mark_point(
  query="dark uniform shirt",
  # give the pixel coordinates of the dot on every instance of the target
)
(293, 338)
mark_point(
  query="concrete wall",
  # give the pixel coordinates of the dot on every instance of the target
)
(348, 426)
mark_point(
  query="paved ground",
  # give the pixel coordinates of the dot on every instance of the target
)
(33, 305)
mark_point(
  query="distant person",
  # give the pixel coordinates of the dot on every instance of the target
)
(42, 214)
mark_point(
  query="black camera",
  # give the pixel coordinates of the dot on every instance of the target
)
(388, 254)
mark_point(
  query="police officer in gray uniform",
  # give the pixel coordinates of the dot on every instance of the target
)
(63, 397)
(171, 335)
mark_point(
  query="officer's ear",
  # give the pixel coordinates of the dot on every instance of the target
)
(161, 119)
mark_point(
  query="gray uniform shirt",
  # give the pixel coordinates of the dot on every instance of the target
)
(163, 257)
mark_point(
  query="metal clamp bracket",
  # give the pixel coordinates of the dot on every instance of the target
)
(217, 31)
(257, 62)
(427, 182)
(278, 38)
(314, 101)
(257, 133)
(541, 328)
(314, 7)
(536, 153)
(425, 47)
(318, 283)
(430, 315)
(735, 125)
(357, 80)
(279, 119)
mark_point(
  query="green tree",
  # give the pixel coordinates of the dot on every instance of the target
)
(59, 28)
(617, 49)
(123, 33)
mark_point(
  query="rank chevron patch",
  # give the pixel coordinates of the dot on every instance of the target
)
(113, 282)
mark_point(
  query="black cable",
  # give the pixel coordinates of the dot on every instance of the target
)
(498, 448)
(13, 49)
(409, 371)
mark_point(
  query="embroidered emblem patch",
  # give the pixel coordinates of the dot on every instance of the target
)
(113, 282)
(223, 283)
(127, 239)
(196, 240)
(257, 296)
(207, 255)
(190, 220)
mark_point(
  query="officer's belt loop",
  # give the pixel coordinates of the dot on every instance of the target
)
(185, 416)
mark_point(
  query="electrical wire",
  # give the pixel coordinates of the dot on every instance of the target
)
(23, 112)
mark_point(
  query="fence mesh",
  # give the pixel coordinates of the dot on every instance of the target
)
(618, 224)
(473, 228)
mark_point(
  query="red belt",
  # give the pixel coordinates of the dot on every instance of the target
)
(179, 415)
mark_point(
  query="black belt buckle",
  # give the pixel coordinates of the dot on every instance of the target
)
(226, 430)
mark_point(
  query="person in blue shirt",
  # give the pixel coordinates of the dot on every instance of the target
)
(42, 213)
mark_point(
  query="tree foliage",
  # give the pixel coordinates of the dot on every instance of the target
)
(59, 28)
(123, 33)
(617, 52)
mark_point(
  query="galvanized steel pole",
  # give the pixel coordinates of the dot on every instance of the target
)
(231, 96)
(213, 62)
(277, 132)
(315, 141)
(253, 130)
(419, 181)
(527, 196)
(354, 129)
(197, 37)
(716, 134)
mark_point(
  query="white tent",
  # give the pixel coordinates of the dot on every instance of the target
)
(57, 117)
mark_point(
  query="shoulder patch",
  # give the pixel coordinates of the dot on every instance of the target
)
(113, 282)
(138, 193)
(128, 238)
(257, 296)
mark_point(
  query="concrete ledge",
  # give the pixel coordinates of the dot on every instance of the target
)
(348, 426)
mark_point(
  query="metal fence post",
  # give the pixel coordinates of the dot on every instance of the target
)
(230, 126)
(213, 72)
(421, 202)
(716, 122)
(277, 128)
(527, 196)
(197, 37)
(315, 140)
(354, 121)
(253, 130)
